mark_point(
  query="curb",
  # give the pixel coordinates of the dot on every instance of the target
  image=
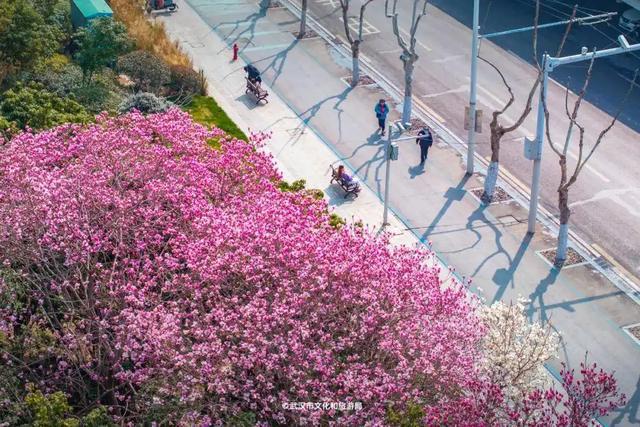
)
(597, 258)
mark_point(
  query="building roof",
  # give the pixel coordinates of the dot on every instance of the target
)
(93, 8)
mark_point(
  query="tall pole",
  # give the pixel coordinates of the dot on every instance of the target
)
(387, 155)
(537, 162)
(471, 139)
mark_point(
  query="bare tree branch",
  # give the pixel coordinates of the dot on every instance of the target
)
(567, 30)
(613, 121)
(504, 80)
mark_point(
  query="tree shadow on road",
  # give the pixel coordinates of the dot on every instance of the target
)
(277, 61)
(538, 295)
(250, 30)
(503, 277)
(629, 414)
(453, 194)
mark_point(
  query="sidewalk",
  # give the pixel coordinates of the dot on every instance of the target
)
(317, 120)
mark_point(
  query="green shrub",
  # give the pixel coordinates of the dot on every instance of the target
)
(36, 107)
(7, 129)
(49, 410)
(412, 416)
(100, 44)
(101, 94)
(25, 37)
(62, 80)
(336, 221)
(145, 102)
(186, 83)
(294, 187)
(148, 71)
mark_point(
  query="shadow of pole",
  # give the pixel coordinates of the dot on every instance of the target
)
(503, 277)
(630, 410)
(453, 194)
(538, 294)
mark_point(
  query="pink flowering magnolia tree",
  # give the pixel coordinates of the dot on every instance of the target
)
(576, 403)
(167, 281)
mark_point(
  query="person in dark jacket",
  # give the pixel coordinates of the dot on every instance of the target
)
(382, 109)
(425, 140)
(253, 74)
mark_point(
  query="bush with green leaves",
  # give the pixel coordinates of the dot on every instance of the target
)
(25, 37)
(100, 44)
(149, 72)
(62, 80)
(186, 83)
(7, 129)
(145, 102)
(32, 105)
(101, 94)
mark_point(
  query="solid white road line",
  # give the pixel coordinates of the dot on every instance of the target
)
(460, 89)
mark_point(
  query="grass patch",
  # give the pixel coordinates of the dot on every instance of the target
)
(206, 111)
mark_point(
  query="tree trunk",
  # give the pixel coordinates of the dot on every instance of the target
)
(355, 71)
(303, 19)
(563, 233)
(490, 181)
(494, 166)
(408, 90)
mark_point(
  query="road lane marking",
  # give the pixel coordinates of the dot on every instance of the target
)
(589, 167)
(266, 47)
(384, 52)
(424, 46)
(354, 25)
(331, 3)
(460, 89)
(617, 195)
(448, 59)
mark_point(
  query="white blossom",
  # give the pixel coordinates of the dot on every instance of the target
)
(515, 349)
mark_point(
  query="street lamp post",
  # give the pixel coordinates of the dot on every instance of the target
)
(473, 89)
(549, 64)
(473, 84)
(391, 153)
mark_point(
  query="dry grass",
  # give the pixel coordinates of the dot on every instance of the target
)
(148, 35)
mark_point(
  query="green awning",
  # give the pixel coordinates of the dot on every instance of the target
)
(93, 8)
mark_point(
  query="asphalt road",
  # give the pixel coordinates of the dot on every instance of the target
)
(481, 241)
(605, 201)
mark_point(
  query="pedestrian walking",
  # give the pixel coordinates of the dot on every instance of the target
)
(425, 140)
(382, 109)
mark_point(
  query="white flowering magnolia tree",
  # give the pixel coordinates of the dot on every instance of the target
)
(515, 350)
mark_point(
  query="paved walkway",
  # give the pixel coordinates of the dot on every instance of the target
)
(317, 120)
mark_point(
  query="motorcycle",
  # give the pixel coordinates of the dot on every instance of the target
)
(169, 5)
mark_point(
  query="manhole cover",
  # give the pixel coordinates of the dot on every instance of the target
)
(508, 220)
(573, 257)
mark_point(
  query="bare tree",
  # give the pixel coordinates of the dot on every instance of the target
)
(354, 41)
(566, 180)
(498, 129)
(408, 56)
(303, 19)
